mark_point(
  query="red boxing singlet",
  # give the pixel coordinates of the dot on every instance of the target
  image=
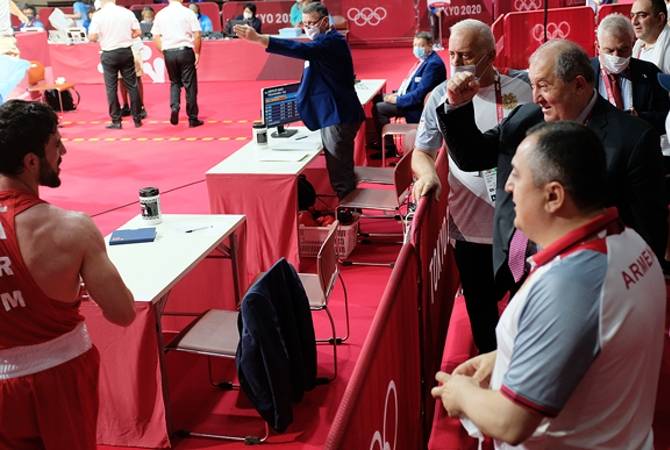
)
(27, 315)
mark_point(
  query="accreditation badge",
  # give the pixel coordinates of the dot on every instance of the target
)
(490, 179)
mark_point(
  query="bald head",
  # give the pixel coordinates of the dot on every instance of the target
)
(471, 44)
(477, 33)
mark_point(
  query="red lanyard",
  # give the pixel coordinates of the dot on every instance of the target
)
(500, 113)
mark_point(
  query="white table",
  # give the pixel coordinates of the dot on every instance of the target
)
(367, 90)
(151, 269)
(254, 159)
(134, 401)
(266, 192)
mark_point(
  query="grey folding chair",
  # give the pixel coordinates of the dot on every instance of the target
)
(214, 334)
(403, 131)
(383, 175)
(393, 203)
(318, 287)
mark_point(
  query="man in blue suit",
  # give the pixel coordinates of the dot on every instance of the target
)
(407, 101)
(327, 100)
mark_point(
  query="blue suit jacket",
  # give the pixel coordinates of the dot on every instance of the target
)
(431, 72)
(326, 96)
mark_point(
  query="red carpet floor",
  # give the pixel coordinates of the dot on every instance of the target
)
(101, 174)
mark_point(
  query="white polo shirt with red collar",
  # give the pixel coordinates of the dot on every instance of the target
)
(581, 342)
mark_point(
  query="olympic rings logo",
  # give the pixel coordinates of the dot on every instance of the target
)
(381, 438)
(554, 31)
(367, 16)
(527, 5)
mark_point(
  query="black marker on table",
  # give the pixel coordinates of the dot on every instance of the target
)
(198, 229)
(301, 137)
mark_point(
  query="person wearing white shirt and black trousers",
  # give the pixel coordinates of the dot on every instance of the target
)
(177, 34)
(115, 27)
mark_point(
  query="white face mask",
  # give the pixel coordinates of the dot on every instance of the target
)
(614, 64)
(312, 32)
(472, 68)
(247, 15)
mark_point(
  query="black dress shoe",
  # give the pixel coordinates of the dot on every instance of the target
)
(138, 123)
(125, 111)
(174, 117)
(195, 123)
(114, 126)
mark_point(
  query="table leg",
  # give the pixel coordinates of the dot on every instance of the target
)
(235, 267)
(159, 307)
(230, 252)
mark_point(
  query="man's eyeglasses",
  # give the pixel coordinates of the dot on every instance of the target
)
(314, 23)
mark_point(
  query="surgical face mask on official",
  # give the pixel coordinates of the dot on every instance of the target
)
(312, 30)
(419, 52)
(614, 64)
(247, 15)
(472, 68)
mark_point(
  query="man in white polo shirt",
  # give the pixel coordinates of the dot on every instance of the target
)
(115, 27)
(581, 342)
(649, 18)
(177, 33)
(7, 39)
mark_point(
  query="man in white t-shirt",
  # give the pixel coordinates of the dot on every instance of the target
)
(115, 27)
(177, 34)
(580, 344)
(7, 39)
(649, 18)
(471, 194)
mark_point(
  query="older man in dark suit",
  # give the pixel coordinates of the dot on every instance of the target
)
(563, 89)
(628, 83)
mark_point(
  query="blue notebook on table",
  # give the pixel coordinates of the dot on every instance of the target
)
(133, 236)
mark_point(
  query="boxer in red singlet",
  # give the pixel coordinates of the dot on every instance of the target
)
(48, 366)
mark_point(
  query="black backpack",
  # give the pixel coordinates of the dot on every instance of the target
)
(306, 193)
(52, 99)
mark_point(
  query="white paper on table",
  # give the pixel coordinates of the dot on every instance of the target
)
(59, 21)
(280, 156)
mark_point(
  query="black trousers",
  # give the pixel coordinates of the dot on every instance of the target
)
(475, 266)
(180, 64)
(338, 143)
(113, 62)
